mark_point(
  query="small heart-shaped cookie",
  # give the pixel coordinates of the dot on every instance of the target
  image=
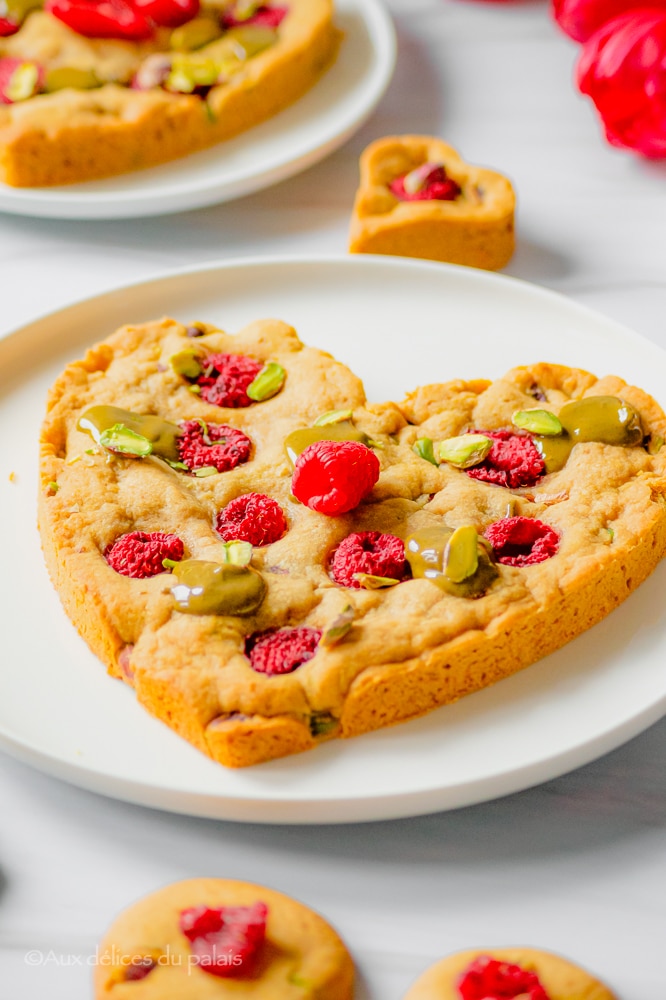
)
(418, 198)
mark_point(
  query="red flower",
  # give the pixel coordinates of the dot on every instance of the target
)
(623, 69)
(581, 18)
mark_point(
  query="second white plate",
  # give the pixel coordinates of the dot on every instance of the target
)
(397, 324)
(293, 140)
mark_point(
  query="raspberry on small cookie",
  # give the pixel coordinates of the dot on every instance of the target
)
(254, 518)
(369, 552)
(225, 940)
(204, 446)
(332, 477)
(283, 651)
(139, 554)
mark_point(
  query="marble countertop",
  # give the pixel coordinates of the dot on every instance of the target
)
(575, 865)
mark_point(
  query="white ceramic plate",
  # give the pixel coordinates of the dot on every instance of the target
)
(320, 122)
(397, 323)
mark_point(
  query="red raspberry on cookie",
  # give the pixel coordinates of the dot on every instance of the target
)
(225, 940)
(512, 461)
(253, 518)
(490, 979)
(208, 446)
(368, 552)
(139, 554)
(522, 541)
(332, 477)
(226, 379)
(283, 651)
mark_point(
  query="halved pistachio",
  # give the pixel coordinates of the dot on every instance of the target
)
(268, 382)
(339, 627)
(426, 551)
(321, 724)
(23, 82)
(252, 39)
(205, 471)
(195, 33)
(370, 582)
(244, 9)
(655, 444)
(537, 421)
(424, 448)
(332, 417)
(17, 10)
(465, 450)
(237, 553)
(60, 77)
(461, 555)
(124, 441)
(191, 71)
(187, 363)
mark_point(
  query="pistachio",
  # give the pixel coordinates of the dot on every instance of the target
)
(237, 553)
(195, 33)
(169, 563)
(370, 582)
(205, 471)
(244, 9)
(195, 389)
(124, 441)
(465, 451)
(537, 421)
(655, 444)
(418, 178)
(461, 555)
(186, 363)
(252, 39)
(61, 77)
(424, 449)
(332, 417)
(191, 71)
(339, 627)
(321, 724)
(268, 382)
(53, 487)
(161, 434)
(426, 552)
(208, 588)
(23, 82)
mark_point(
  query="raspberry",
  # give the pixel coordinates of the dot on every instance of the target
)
(368, 552)
(283, 651)
(253, 518)
(226, 378)
(332, 477)
(225, 941)
(265, 17)
(218, 445)
(512, 461)
(139, 554)
(522, 541)
(139, 970)
(439, 187)
(487, 978)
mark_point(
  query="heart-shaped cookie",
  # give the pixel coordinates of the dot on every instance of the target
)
(405, 207)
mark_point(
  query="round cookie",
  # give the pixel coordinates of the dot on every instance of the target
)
(560, 979)
(146, 956)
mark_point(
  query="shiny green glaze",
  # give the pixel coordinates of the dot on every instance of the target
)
(426, 553)
(208, 588)
(554, 450)
(606, 419)
(299, 440)
(162, 435)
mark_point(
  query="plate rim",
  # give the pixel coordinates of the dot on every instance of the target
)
(69, 202)
(328, 809)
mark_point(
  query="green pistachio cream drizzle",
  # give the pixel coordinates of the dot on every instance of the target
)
(299, 440)
(130, 433)
(208, 588)
(459, 561)
(604, 419)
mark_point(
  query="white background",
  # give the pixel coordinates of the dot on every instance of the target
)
(576, 865)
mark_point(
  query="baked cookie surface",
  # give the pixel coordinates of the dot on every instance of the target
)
(121, 105)
(558, 978)
(259, 944)
(372, 632)
(417, 197)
